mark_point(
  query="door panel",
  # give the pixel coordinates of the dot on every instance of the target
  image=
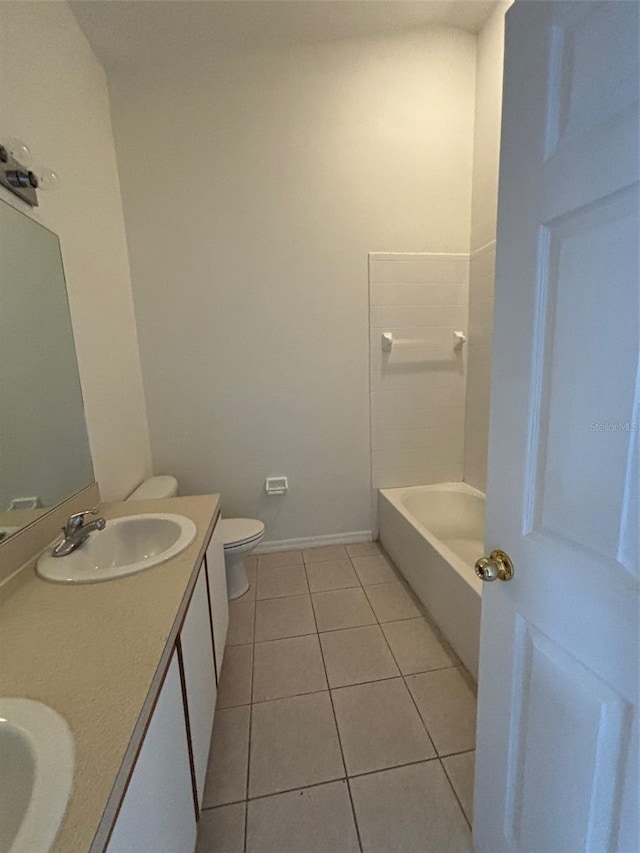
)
(566, 717)
(582, 376)
(556, 767)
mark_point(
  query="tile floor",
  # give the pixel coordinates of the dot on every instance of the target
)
(344, 722)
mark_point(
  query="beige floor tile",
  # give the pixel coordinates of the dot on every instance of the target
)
(356, 655)
(227, 769)
(410, 809)
(313, 820)
(374, 569)
(221, 830)
(288, 668)
(235, 680)
(379, 726)
(279, 581)
(281, 558)
(331, 574)
(416, 646)
(327, 552)
(342, 608)
(391, 601)
(294, 743)
(363, 549)
(241, 616)
(252, 569)
(460, 769)
(447, 704)
(277, 618)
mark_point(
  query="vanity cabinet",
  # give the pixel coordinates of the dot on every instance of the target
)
(217, 578)
(157, 814)
(199, 676)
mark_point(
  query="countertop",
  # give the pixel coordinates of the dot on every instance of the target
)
(97, 653)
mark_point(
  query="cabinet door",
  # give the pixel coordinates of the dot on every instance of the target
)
(157, 814)
(199, 678)
(218, 593)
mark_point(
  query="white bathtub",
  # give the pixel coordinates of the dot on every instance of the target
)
(434, 535)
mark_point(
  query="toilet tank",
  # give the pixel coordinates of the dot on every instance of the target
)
(163, 486)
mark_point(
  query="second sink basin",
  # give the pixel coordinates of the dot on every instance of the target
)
(127, 545)
(36, 774)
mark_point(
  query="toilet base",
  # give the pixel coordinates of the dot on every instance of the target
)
(237, 580)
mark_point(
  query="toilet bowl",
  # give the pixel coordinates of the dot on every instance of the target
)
(239, 536)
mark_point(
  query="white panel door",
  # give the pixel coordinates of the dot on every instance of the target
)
(199, 678)
(218, 593)
(557, 753)
(157, 814)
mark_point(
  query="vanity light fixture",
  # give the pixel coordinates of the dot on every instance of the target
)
(15, 174)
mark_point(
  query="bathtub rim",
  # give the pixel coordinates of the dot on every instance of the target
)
(394, 497)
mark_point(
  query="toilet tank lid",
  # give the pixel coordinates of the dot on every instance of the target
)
(162, 486)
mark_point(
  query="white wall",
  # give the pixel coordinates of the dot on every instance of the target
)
(253, 191)
(54, 96)
(486, 143)
(417, 390)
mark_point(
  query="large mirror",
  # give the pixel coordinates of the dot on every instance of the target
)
(44, 448)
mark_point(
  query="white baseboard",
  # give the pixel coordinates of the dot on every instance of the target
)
(314, 541)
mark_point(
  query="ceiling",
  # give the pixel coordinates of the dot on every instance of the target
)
(126, 35)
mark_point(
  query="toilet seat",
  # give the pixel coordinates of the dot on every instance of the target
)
(238, 532)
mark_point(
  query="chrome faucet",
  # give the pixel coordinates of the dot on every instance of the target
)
(76, 531)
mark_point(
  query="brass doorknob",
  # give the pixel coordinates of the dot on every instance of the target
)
(497, 566)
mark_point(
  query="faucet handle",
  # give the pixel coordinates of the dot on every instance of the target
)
(77, 519)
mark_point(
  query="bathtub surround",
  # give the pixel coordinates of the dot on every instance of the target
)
(54, 96)
(486, 155)
(417, 390)
(251, 279)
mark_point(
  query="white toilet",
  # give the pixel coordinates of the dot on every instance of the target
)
(238, 535)
(155, 488)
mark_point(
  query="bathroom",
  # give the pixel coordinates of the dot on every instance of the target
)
(229, 179)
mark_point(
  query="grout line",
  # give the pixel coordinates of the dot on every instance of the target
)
(290, 696)
(333, 631)
(392, 767)
(437, 755)
(459, 752)
(276, 793)
(344, 778)
(404, 681)
(344, 686)
(335, 722)
(336, 589)
(455, 793)
(329, 689)
(253, 665)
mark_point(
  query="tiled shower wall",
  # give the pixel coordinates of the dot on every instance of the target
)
(481, 281)
(417, 390)
(486, 150)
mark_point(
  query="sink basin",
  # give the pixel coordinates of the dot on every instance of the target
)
(127, 545)
(36, 775)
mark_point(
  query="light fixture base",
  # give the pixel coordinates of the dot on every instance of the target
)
(9, 169)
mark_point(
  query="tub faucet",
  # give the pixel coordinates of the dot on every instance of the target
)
(76, 531)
